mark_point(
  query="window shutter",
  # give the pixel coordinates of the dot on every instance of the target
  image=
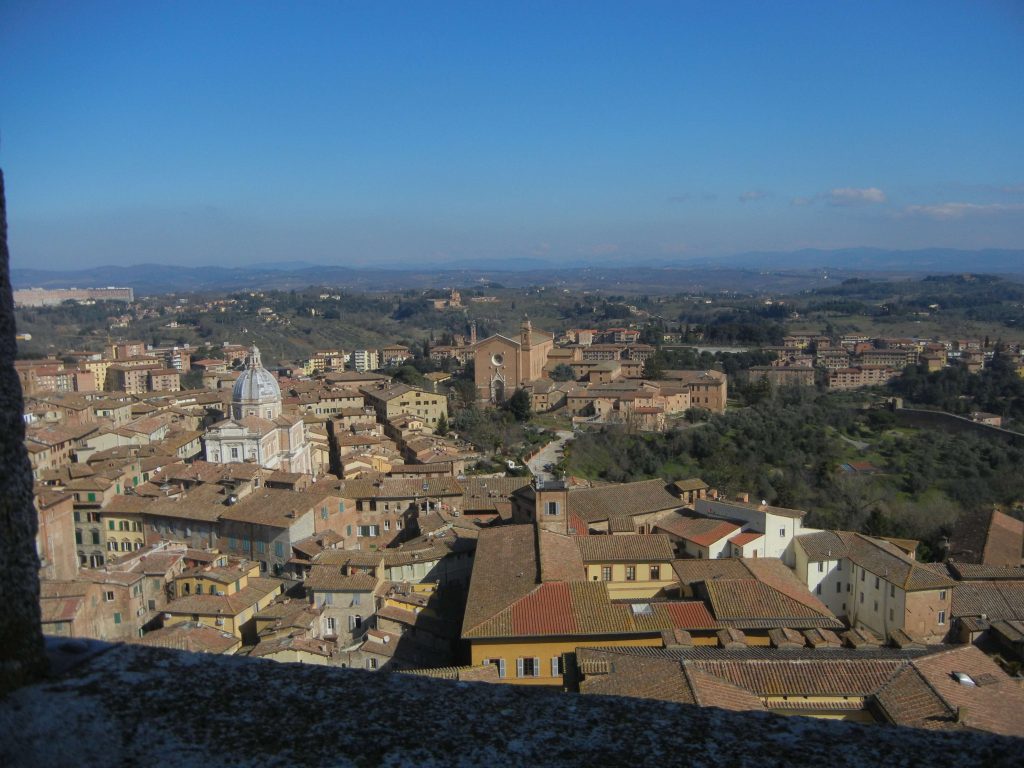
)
(536, 667)
(501, 667)
(519, 667)
(554, 666)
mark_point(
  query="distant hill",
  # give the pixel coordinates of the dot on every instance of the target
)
(758, 270)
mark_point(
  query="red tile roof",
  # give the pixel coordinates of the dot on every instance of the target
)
(546, 611)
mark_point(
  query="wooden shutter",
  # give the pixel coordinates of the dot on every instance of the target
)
(519, 667)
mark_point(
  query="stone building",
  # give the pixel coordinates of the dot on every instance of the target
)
(504, 365)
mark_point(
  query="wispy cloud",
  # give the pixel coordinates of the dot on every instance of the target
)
(948, 211)
(855, 196)
(803, 200)
(751, 195)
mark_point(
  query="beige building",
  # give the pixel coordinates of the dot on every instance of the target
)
(392, 402)
(875, 584)
(504, 365)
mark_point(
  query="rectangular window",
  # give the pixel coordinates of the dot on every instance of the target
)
(528, 667)
(942, 594)
(891, 615)
(892, 590)
(862, 598)
(817, 590)
(552, 507)
(821, 567)
(110, 525)
(862, 574)
(878, 582)
(323, 513)
(355, 622)
(782, 531)
(78, 516)
(556, 666)
(92, 497)
(606, 573)
(278, 549)
(78, 537)
(371, 663)
(839, 586)
(655, 572)
(942, 618)
(331, 625)
(117, 618)
(348, 530)
(630, 573)
(232, 542)
(876, 606)
(356, 598)
(108, 596)
(839, 565)
(387, 525)
(261, 546)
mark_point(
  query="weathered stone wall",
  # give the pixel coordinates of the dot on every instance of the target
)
(21, 638)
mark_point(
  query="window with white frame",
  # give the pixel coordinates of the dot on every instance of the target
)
(942, 618)
(528, 666)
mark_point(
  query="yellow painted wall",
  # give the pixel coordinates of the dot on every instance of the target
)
(545, 649)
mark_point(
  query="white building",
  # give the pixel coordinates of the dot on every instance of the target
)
(255, 429)
(365, 360)
(779, 526)
(875, 584)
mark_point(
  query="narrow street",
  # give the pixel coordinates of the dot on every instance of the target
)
(549, 454)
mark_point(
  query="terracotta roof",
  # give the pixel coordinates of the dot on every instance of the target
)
(228, 605)
(742, 539)
(192, 637)
(691, 484)
(504, 570)
(602, 502)
(635, 548)
(702, 531)
(692, 571)
(994, 599)
(1004, 541)
(329, 578)
(751, 603)
(995, 703)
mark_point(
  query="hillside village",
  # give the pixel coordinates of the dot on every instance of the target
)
(324, 513)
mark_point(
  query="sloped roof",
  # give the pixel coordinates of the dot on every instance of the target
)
(602, 502)
(875, 555)
(635, 548)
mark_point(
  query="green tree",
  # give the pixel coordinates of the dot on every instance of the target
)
(442, 426)
(562, 372)
(519, 405)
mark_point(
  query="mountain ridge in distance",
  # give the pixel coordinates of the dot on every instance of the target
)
(163, 278)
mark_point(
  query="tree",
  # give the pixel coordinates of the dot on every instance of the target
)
(442, 426)
(562, 372)
(519, 405)
(654, 367)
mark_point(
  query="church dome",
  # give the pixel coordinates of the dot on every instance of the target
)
(256, 385)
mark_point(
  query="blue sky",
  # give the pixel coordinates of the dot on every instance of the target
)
(373, 133)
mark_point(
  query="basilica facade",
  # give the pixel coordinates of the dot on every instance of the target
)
(256, 430)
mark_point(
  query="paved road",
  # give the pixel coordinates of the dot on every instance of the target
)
(549, 454)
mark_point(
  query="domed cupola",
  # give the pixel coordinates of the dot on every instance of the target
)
(256, 391)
